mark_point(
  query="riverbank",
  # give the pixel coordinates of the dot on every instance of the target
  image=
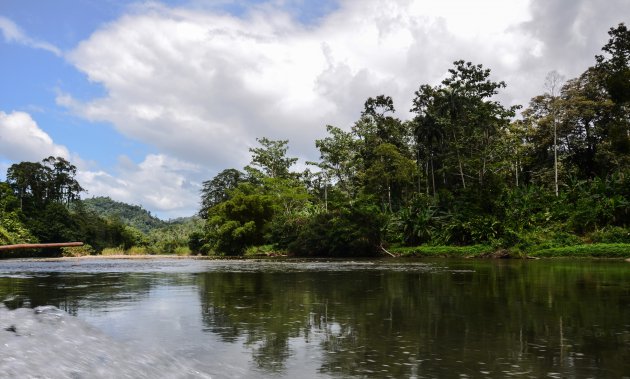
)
(596, 250)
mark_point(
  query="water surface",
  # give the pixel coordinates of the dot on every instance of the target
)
(316, 319)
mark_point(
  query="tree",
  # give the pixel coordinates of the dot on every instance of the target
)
(338, 160)
(350, 230)
(28, 180)
(614, 70)
(62, 185)
(53, 180)
(458, 122)
(271, 158)
(218, 189)
(553, 81)
(616, 64)
(239, 222)
(382, 143)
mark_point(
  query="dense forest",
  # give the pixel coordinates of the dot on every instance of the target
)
(465, 170)
(40, 202)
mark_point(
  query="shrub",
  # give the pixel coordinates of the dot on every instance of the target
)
(113, 251)
(182, 250)
(353, 231)
(77, 251)
(138, 250)
(610, 234)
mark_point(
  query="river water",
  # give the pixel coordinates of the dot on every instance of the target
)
(314, 319)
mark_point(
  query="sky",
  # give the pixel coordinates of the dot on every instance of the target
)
(151, 98)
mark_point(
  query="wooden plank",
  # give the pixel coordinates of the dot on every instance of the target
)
(39, 245)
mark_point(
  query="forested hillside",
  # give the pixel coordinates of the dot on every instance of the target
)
(132, 215)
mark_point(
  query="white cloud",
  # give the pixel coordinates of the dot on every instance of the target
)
(200, 85)
(12, 33)
(159, 183)
(21, 139)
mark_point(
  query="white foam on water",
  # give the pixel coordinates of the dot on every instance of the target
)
(46, 342)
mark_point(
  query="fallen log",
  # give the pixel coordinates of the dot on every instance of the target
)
(387, 252)
(39, 245)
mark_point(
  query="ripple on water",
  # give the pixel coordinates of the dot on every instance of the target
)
(47, 342)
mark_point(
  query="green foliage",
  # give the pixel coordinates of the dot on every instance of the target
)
(197, 243)
(113, 251)
(598, 250)
(54, 223)
(77, 251)
(615, 65)
(445, 251)
(239, 222)
(174, 236)
(271, 158)
(217, 190)
(38, 184)
(345, 232)
(132, 215)
(610, 234)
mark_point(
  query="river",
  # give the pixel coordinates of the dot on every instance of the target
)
(190, 318)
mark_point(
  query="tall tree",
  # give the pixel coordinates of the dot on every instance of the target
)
(62, 184)
(553, 83)
(27, 179)
(218, 189)
(271, 158)
(614, 69)
(467, 121)
(616, 64)
(338, 161)
(382, 143)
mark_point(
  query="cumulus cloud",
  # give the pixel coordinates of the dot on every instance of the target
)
(21, 139)
(12, 33)
(160, 183)
(200, 85)
(571, 32)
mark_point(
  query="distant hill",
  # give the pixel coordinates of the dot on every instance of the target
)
(128, 214)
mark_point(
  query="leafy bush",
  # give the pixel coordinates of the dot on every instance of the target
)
(610, 234)
(353, 231)
(541, 239)
(239, 222)
(182, 250)
(113, 251)
(77, 251)
(138, 250)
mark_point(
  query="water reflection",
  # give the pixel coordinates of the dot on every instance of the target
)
(358, 319)
(488, 319)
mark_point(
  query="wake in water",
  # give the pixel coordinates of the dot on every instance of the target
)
(46, 342)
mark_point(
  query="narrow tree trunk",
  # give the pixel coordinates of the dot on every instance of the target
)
(555, 154)
(432, 175)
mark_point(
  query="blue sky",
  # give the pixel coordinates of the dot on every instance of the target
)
(149, 99)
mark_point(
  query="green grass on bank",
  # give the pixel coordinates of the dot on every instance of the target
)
(444, 251)
(596, 250)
